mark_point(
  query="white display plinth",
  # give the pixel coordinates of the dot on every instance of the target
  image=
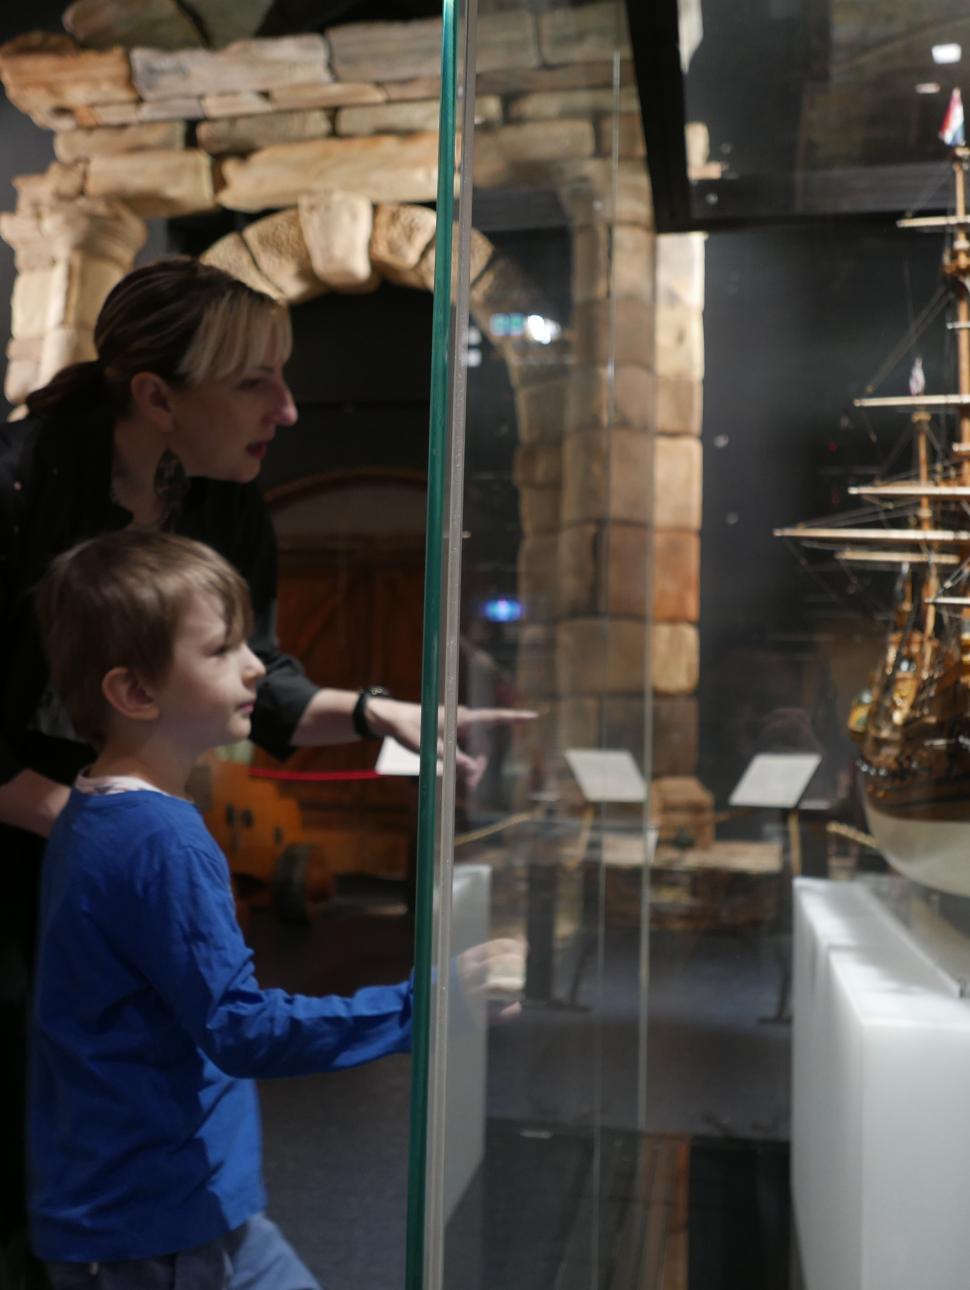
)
(880, 1101)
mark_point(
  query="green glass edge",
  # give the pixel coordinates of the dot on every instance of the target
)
(430, 668)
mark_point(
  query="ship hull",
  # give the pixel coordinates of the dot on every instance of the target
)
(933, 852)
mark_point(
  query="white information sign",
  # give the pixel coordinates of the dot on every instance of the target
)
(775, 780)
(606, 774)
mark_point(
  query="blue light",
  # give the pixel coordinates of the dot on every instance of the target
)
(502, 610)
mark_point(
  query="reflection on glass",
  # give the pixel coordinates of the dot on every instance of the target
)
(535, 1127)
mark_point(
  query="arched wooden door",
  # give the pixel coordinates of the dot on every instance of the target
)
(351, 575)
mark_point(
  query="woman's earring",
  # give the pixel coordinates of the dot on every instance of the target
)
(171, 481)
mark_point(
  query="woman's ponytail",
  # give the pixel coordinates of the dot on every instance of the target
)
(74, 389)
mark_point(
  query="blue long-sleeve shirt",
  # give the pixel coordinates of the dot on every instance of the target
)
(149, 1026)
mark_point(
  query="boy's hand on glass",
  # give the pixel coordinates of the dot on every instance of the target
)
(495, 967)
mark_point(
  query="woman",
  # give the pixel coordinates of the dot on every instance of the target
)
(166, 428)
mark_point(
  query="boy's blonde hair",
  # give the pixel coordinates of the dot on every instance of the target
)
(116, 601)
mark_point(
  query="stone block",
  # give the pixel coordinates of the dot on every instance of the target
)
(626, 571)
(418, 87)
(680, 341)
(63, 346)
(527, 151)
(591, 262)
(232, 255)
(593, 190)
(539, 465)
(100, 227)
(675, 735)
(633, 262)
(279, 248)
(102, 24)
(67, 78)
(600, 656)
(249, 133)
(78, 145)
(480, 251)
(382, 167)
(680, 404)
(536, 662)
(79, 285)
(244, 65)
(335, 94)
(404, 51)
(30, 303)
(630, 143)
(600, 396)
(674, 658)
(185, 108)
(576, 76)
(581, 571)
(337, 227)
(552, 105)
(56, 184)
(678, 479)
(537, 577)
(401, 234)
(23, 233)
(386, 51)
(163, 183)
(541, 411)
(538, 509)
(676, 577)
(680, 270)
(503, 287)
(217, 107)
(618, 331)
(19, 379)
(406, 116)
(607, 476)
(582, 34)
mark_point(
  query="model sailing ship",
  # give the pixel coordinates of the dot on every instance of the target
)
(912, 726)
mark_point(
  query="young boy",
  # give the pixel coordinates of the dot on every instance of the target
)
(149, 1025)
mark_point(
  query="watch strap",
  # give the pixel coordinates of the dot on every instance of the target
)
(359, 715)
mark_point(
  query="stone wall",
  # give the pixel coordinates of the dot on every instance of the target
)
(336, 134)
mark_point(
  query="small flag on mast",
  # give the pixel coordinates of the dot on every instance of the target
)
(917, 378)
(951, 131)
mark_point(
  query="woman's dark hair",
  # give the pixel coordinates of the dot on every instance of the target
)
(179, 318)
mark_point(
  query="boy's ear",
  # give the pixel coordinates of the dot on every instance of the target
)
(152, 397)
(126, 694)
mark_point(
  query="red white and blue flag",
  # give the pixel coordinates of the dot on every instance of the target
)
(951, 131)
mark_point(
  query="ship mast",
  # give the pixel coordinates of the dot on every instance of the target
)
(957, 267)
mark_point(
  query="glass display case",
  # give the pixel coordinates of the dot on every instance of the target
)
(526, 1156)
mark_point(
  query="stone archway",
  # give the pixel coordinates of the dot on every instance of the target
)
(338, 130)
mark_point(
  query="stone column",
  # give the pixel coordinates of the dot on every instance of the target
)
(68, 255)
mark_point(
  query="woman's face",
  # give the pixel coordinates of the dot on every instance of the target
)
(223, 427)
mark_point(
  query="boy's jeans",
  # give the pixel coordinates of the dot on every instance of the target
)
(253, 1257)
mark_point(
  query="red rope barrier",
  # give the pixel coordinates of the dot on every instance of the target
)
(315, 776)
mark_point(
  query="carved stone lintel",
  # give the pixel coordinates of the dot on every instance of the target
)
(166, 182)
(382, 168)
(250, 133)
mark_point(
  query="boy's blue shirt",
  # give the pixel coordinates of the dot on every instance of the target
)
(148, 1029)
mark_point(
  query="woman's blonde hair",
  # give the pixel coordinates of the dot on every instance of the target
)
(181, 319)
(117, 601)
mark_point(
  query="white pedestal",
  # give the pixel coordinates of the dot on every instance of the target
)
(880, 1101)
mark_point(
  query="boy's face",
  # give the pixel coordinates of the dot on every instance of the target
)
(207, 697)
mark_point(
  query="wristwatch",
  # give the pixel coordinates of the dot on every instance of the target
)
(359, 715)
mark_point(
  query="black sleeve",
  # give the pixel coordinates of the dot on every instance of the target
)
(286, 690)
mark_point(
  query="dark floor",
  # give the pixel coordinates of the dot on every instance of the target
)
(336, 1146)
